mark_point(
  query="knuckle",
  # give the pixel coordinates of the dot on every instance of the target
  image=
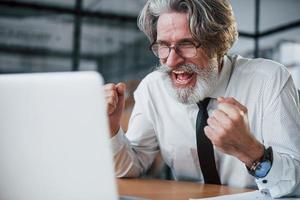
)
(216, 113)
(113, 94)
(209, 120)
(235, 117)
(222, 132)
(206, 128)
(111, 101)
(108, 93)
(110, 86)
(229, 125)
(208, 132)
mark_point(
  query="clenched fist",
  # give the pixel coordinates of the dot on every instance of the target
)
(228, 129)
(115, 99)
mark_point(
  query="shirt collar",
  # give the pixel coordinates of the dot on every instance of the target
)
(223, 79)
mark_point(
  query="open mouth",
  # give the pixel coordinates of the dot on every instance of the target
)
(182, 78)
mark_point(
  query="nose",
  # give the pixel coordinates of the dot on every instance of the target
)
(174, 59)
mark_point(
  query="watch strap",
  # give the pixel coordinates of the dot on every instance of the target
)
(267, 157)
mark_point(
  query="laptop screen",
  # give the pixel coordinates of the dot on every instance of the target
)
(54, 141)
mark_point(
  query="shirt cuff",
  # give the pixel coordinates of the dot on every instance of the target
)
(274, 174)
(117, 141)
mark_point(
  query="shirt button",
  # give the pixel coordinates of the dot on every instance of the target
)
(264, 181)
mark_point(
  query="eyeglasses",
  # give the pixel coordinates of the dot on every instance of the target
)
(185, 50)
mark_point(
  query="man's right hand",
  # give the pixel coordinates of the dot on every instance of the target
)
(115, 99)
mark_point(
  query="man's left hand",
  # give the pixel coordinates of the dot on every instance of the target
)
(228, 129)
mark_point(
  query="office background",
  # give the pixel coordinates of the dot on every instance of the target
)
(101, 35)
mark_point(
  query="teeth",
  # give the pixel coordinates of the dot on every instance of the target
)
(178, 72)
(182, 72)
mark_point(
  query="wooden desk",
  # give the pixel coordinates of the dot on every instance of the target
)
(174, 190)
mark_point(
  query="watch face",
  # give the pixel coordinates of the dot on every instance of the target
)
(262, 169)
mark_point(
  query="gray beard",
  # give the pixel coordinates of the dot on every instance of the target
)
(207, 78)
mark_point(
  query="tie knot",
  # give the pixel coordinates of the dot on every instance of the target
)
(203, 104)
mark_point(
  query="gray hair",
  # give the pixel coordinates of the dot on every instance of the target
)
(212, 23)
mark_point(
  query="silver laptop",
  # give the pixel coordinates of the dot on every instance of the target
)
(54, 142)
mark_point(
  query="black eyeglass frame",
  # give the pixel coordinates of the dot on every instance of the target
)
(175, 47)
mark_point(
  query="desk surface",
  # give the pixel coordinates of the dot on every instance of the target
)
(175, 190)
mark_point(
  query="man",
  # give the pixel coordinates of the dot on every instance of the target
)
(253, 129)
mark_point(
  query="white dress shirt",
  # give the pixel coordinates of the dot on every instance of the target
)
(160, 123)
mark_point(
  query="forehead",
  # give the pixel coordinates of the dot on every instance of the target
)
(172, 27)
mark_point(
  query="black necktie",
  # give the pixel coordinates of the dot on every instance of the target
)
(204, 146)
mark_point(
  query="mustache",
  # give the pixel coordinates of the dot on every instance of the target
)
(189, 68)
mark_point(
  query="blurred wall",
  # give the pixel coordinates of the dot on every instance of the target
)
(42, 39)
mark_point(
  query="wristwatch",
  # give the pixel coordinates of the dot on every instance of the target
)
(261, 168)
